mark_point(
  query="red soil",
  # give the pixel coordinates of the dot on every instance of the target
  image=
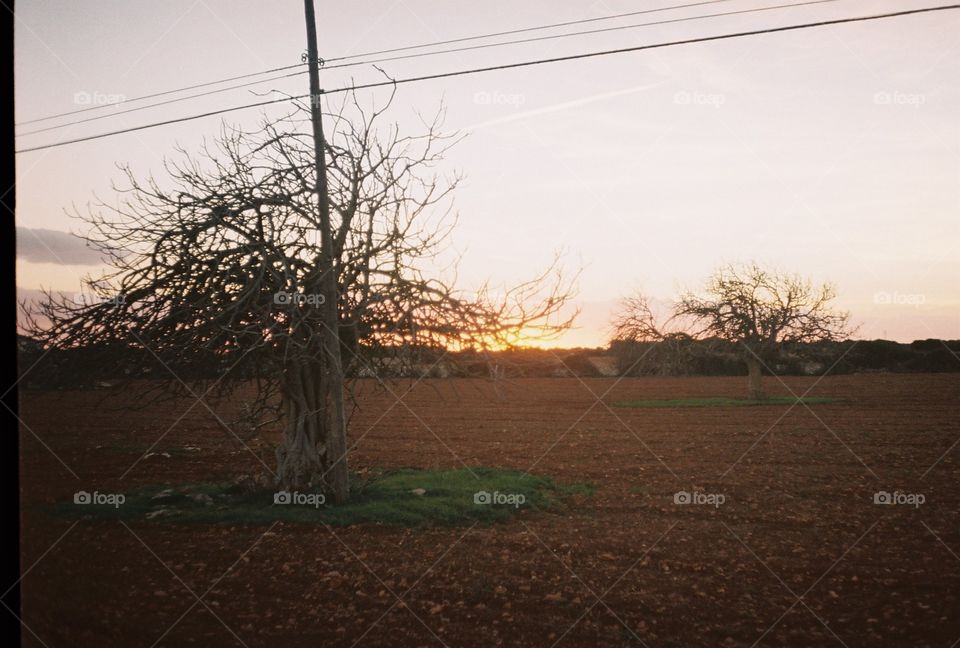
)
(624, 566)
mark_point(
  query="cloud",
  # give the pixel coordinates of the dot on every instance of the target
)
(575, 103)
(53, 246)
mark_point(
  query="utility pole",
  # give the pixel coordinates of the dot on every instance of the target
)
(336, 441)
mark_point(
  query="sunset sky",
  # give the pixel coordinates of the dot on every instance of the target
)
(831, 152)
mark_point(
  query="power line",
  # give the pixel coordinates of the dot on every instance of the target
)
(638, 48)
(582, 33)
(422, 54)
(353, 56)
(409, 56)
(160, 103)
(510, 32)
(160, 94)
(557, 59)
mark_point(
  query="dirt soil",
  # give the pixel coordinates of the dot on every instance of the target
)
(798, 553)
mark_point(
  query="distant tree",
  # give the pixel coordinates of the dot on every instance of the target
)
(217, 266)
(759, 309)
(644, 346)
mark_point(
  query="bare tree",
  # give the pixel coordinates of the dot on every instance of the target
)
(635, 321)
(759, 309)
(217, 266)
(644, 345)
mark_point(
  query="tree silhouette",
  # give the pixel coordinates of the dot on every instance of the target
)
(760, 310)
(216, 267)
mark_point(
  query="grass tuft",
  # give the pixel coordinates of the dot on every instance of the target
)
(406, 497)
(728, 402)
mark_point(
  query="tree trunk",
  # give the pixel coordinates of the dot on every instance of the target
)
(755, 379)
(305, 457)
(336, 474)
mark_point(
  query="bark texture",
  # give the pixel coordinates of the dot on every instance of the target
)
(755, 380)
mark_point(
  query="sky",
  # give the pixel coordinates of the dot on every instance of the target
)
(831, 152)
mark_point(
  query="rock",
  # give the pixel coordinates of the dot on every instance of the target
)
(164, 494)
(161, 512)
(418, 491)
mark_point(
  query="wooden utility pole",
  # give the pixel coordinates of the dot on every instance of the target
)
(336, 441)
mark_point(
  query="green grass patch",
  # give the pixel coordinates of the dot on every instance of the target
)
(407, 497)
(728, 402)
